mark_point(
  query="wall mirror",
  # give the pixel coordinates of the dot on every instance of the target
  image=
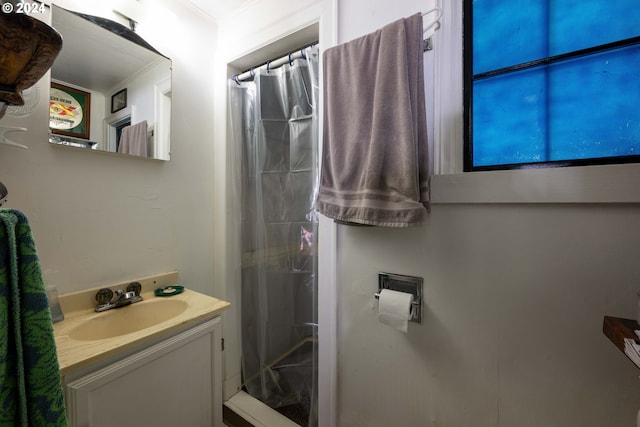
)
(110, 89)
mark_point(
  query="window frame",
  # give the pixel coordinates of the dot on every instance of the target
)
(468, 82)
(451, 185)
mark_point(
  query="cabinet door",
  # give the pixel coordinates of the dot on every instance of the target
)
(177, 382)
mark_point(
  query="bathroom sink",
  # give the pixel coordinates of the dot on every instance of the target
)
(128, 319)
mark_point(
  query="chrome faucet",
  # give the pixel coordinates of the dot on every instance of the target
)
(122, 298)
(107, 299)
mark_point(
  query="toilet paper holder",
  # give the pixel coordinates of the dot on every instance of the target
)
(403, 283)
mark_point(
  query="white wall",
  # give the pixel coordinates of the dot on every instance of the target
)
(515, 296)
(102, 218)
(514, 300)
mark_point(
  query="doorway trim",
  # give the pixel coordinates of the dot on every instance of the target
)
(324, 14)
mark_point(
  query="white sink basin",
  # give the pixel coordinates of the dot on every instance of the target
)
(128, 319)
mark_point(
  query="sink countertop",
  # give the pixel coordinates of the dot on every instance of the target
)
(75, 354)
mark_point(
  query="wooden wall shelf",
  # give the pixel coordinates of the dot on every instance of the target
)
(617, 329)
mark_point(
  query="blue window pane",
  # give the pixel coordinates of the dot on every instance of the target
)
(508, 32)
(509, 118)
(580, 109)
(579, 24)
(594, 105)
(519, 31)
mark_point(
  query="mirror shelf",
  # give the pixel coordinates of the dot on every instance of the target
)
(72, 141)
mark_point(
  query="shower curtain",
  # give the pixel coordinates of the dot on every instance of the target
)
(274, 140)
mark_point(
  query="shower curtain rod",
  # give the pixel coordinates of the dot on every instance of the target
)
(269, 65)
(248, 75)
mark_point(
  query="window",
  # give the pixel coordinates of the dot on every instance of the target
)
(551, 83)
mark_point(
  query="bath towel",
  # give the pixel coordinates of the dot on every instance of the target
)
(30, 385)
(134, 140)
(375, 157)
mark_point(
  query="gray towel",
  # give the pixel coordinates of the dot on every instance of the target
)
(375, 155)
(134, 140)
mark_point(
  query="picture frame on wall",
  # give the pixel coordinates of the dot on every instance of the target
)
(69, 111)
(119, 100)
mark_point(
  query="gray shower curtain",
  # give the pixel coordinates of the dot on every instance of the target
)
(274, 139)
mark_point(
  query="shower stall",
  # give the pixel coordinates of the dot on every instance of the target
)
(274, 139)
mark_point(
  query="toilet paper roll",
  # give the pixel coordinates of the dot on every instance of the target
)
(394, 309)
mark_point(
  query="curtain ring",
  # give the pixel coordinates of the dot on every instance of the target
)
(290, 60)
(235, 79)
(302, 53)
(252, 73)
(268, 66)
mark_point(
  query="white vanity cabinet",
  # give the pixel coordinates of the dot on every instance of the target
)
(173, 382)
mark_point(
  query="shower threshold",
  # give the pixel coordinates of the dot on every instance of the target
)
(296, 360)
(253, 412)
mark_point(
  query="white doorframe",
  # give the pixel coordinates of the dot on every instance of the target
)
(327, 265)
(162, 120)
(327, 321)
(325, 13)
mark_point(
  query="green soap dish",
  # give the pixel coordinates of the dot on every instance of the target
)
(168, 291)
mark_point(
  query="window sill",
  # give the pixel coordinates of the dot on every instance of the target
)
(585, 184)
